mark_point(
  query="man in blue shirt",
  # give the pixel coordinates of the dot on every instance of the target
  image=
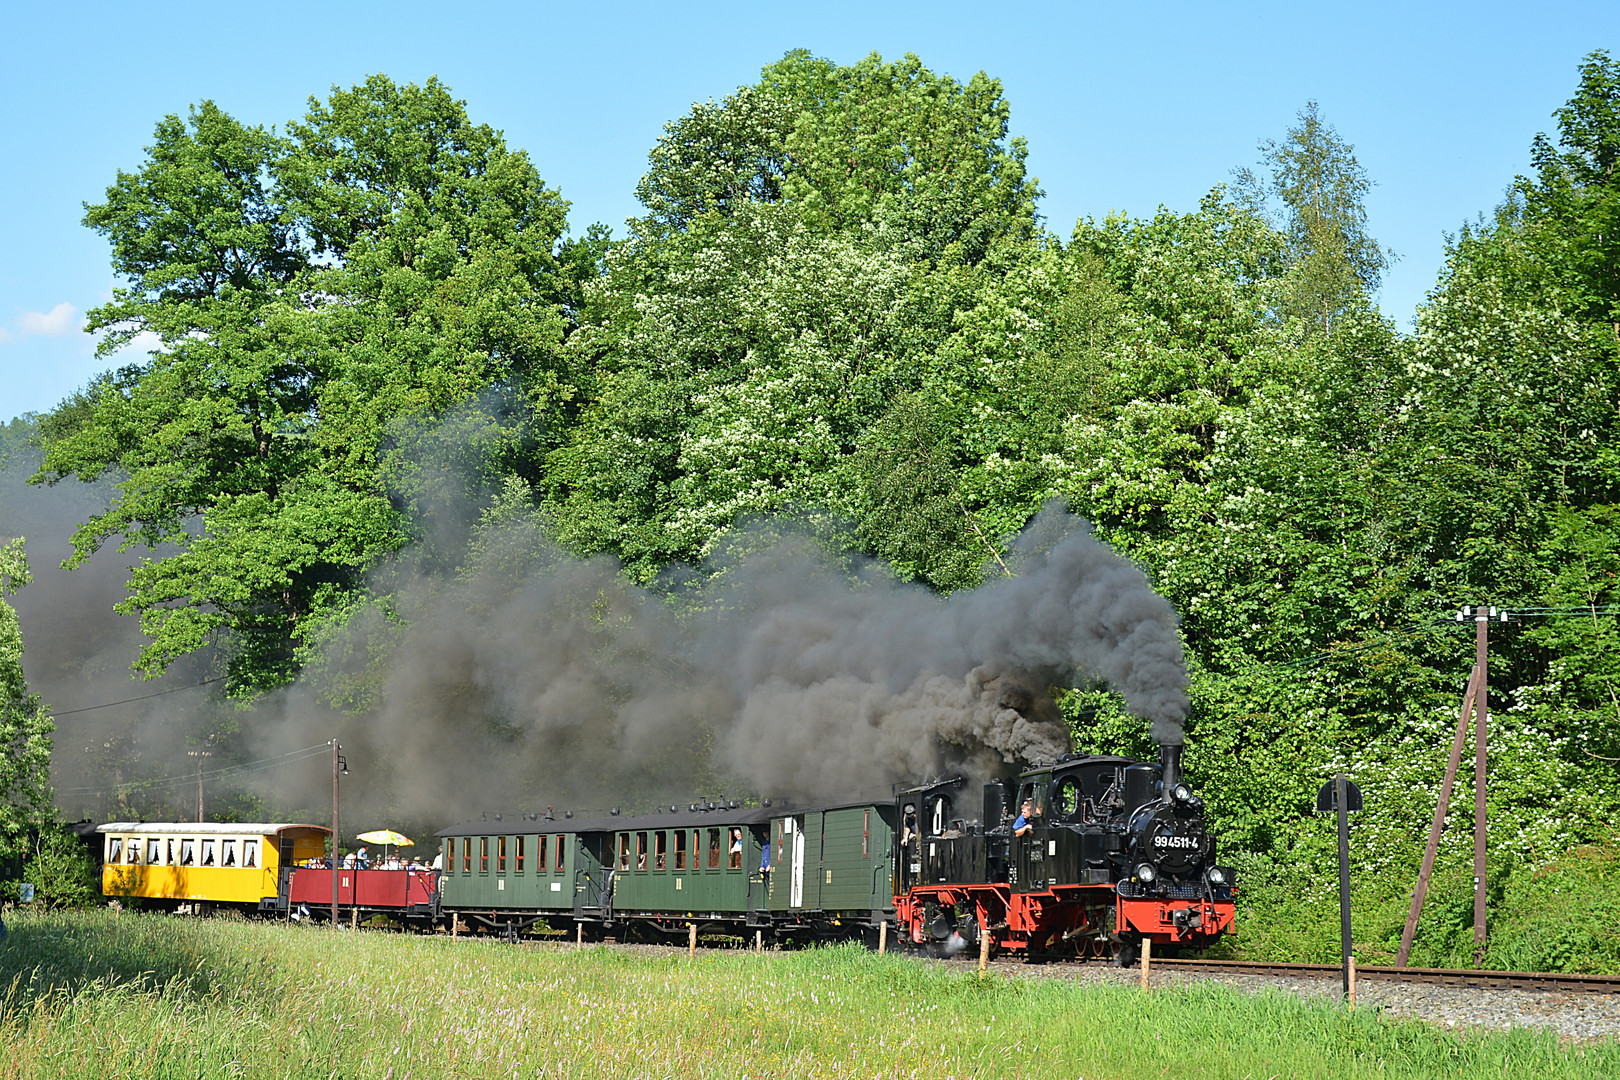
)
(1022, 824)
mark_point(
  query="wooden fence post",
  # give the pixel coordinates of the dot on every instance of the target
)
(691, 939)
(1147, 961)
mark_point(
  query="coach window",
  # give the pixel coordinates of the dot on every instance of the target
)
(714, 849)
(519, 867)
(208, 853)
(661, 851)
(624, 851)
(250, 853)
(500, 855)
(185, 852)
(466, 854)
(540, 863)
(697, 849)
(115, 848)
(680, 849)
(641, 851)
(227, 853)
(559, 852)
(866, 834)
(483, 854)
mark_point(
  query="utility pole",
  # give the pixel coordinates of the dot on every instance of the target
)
(199, 755)
(339, 767)
(1482, 618)
(1473, 700)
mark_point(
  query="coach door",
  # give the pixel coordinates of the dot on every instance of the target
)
(284, 864)
(797, 897)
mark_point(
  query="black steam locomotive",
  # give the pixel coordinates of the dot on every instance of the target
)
(1089, 855)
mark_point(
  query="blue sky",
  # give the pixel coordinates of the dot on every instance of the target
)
(1125, 107)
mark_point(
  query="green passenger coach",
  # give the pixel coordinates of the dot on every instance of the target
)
(833, 864)
(788, 872)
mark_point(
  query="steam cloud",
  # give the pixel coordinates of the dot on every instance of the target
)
(542, 678)
(781, 673)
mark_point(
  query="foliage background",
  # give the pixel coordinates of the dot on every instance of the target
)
(380, 349)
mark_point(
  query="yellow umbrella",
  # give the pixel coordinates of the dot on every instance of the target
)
(386, 837)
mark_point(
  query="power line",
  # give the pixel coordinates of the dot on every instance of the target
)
(259, 765)
(143, 697)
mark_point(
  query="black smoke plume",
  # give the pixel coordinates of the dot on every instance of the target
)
(779, 672)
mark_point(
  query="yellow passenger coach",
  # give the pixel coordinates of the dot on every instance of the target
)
(205, 862)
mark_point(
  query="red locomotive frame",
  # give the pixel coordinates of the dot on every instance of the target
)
(1046, 920)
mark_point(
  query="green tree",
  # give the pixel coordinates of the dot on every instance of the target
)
(25, 723)
(1314, 174)
(358, 326)
(774, 304)
(1572, 204)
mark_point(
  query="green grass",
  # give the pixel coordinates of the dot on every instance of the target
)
(133, 995)
(1562, 917)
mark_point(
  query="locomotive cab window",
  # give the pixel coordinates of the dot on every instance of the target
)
(939, 814)
(1066, 801)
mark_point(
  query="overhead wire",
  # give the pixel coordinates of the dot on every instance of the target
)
(222, 772)
(143, 697)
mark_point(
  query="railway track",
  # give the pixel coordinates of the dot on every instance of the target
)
(1492, 980)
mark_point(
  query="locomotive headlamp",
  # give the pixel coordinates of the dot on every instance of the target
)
(1182, 792)
(1146, 874)
(1216, 876)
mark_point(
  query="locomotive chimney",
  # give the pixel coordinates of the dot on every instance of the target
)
(1170, 765)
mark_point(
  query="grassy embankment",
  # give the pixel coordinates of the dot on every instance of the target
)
(1560, 917)
(94, 994)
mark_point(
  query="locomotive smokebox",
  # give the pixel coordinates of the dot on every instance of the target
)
(1170, 766)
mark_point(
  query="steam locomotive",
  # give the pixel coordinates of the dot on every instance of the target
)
(1112, 852)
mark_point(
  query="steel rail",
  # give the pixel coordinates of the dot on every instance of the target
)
(1494, 980)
